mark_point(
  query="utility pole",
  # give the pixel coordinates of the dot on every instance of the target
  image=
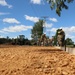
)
(44, 25)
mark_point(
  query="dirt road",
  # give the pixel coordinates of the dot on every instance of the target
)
(27, 60)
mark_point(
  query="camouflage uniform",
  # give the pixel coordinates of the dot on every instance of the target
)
(44, 40)
(39, 42)
(61, 37)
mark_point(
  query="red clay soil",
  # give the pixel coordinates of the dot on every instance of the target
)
(27, 60)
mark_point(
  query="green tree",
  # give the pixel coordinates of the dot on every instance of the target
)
(55, 40)
(21, 39)
(69, 41)
(55, 37)
(37, 30)
(59, 5)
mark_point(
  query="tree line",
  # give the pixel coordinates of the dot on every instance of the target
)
(36, 33)
(20, 40)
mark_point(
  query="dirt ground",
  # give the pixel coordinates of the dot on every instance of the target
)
(31, 60)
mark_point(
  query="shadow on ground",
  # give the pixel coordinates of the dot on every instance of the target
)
(49, 50)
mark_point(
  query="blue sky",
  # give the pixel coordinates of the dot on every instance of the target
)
(18, 17)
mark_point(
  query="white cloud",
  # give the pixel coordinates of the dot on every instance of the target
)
(30, 18)
(48, 25)
(2, 13)
(17, 28)
(52, 30)
(69, 31)
(53, 19)
(36, 1)
(1, 31)
(10, 20)
(70, 36)
(1, 36)
(4, 3)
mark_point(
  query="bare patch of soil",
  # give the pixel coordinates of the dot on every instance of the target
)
(30, 60)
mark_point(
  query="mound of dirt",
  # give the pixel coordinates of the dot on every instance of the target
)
(27, 60)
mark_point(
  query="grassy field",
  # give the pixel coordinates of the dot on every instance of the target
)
(32, 60)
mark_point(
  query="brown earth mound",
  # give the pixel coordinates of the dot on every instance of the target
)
(26, 60)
